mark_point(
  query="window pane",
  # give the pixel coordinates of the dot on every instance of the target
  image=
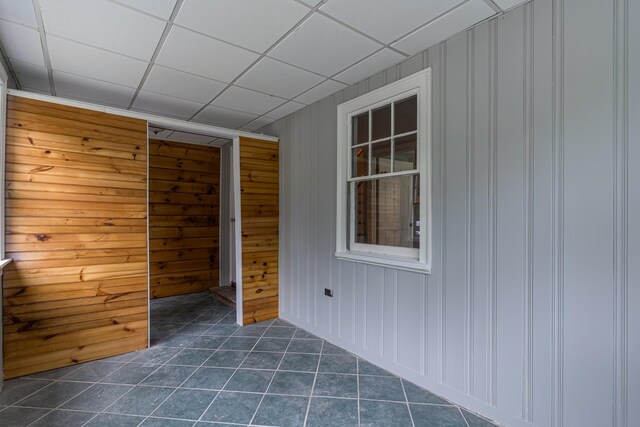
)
(381, 157)
(405, 153)
(405, 115)
(360, 129)
(388, 211)
(381, 123)
(360, 161)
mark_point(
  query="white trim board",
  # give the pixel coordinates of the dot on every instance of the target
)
(152, 119)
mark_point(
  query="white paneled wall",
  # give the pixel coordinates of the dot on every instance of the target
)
(531, 314)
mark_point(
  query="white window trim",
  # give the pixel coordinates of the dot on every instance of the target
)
(418, 83)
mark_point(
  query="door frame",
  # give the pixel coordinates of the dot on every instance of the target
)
(237, 225)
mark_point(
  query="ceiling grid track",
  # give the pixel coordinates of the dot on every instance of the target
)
(45, 47)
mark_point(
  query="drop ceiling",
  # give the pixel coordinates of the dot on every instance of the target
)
(239, 64)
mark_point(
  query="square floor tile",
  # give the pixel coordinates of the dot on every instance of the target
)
(141, 400)
(249, 380)
(436, 415)
(177, 341)
(279, 332)
(366, 368)
(55, 374)
(207, 342)
(226, 359)
(169, 376)
(185, 404)
(296, 383)
(156, 355)
(336, 385)
(114, 420)
(285, 411)
(272, 344)
(332, 412)
(281, 322)
(329, 348)
(383, 414)
(97, 397)
(228, 320)
(190, 357)
(64, 418)
(233, 408)
(93, 371)
(250, 331)
(54, 395)
(18, 417)
(222, 330)
(381, 388)
(262, 360)
(338, 364)
(19, 388)
(300, 362)
(416, 394)
(239, 343)
(165, 422)
(305, 346)
(301, 333)
(131, 373)
(194, 329)
(209, 378)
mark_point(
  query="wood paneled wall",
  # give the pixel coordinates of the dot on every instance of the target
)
(259, 164)
(184, 202)
(76, 228)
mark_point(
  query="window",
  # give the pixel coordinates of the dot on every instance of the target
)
(384, 197)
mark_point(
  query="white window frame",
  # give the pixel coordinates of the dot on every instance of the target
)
(418, 260)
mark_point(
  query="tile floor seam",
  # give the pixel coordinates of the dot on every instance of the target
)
(358, 387)
(406, 398)
(313, 387)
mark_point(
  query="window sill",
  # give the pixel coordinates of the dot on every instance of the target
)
(385, 261)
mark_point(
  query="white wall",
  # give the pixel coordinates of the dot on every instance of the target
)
(532, 313)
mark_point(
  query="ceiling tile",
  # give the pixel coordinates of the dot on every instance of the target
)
(326, 88)
(165, 105)
(103, 24)
(167, 81)
(31, 76)
(508, 4)
(285, 110)
(188, 51)
(76, 58)
(387, 20)
(217, 116)
(377, 62)
(324, 46)
(446, 26)
(84, 89)
(21, 12)
(190, 137)
(240, 99)
(257, 124)
(160, 8)
(21, 43)
(311, 3)
(156, 132)
(270, 76)
(255, 25)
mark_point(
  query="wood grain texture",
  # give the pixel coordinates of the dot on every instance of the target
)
(259, 183)
(76, 213)
(184, 204)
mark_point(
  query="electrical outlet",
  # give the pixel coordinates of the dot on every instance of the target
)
(328, 292)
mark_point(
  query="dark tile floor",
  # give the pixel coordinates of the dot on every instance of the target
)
(203, 370)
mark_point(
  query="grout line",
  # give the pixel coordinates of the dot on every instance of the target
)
(358, 386)
(313, 387)
(407, 402)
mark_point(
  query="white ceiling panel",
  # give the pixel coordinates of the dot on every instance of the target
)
(165, 105)
(213, 115)
(21, 43)
(255, 25)
(508, 4)
(284, 110)
(270, 76)
(31, 76)
(240, 99)
(324, 89)
(160, 8)
(21, 12)
(377, 62)
(324, 46)
(94, 63)
(311, 3)
(194, 53)
(257, 124)
(178, 84)
(446, 26)
(103, 24)
(387, 20)
(159, 133)
(85, 89)
(190, 137)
